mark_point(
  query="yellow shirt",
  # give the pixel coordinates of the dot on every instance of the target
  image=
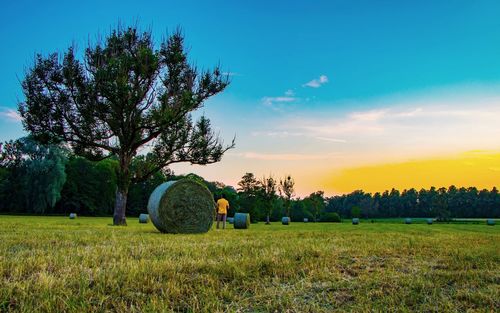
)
(222, 206)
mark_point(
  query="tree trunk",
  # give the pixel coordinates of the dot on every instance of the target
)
(123, 183)
(120, 207)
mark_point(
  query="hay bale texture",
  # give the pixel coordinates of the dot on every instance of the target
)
(285, 220)
(144, 218)
(241, 220)
(182, 206)
(490, 222)
(230, 220)
(429, 221)
(355, 221)
(72, 216)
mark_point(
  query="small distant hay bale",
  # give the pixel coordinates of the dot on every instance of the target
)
(407, 220)
(241, 220)
(285, 220)
(490, 222)
(144, 218)
(183, 206)
(306, 220)
(355, 221)
(230, 220)
(429, 221)
(72, 216)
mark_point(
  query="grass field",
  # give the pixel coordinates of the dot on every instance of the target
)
(53, 264)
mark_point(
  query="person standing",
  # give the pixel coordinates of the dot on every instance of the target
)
(222, 207)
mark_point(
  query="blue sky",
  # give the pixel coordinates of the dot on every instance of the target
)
(299, 64)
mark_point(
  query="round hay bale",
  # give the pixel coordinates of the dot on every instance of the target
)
(429, 221)
(306, 220)
(72, 216)
(144, 218)
(490, 222)
(407, 220)
(182, 206)
(241, 220)
(355, 221)
(285, 220)
(230, 220)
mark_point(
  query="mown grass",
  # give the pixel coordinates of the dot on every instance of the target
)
(53, 264)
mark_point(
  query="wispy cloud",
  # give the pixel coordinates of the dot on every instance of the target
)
(278, 134)
(285, 156)
(288, 134)
(331, 139)
(231, 74)
(316, 83)
(273, 100)
(10, 115)
(368, 116)
(289, 93)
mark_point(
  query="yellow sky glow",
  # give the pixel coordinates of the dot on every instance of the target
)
(474, 168)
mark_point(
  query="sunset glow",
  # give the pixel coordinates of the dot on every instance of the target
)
(480, 169)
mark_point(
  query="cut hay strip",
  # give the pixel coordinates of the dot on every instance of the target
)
(285, 220)
(72, 216)
(241, 220)
(183, 206)
(355, 221)
(144, 218)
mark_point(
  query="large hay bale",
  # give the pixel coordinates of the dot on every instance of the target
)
(429, 221)
(407, 220)
(285, 220)
(306, 220)
(355, 221)
(490, 222)
(230, 220)
(182, 206)
(241, 220)
(144, 218)
(72, 216)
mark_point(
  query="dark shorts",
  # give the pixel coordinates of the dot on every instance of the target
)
(221, 217)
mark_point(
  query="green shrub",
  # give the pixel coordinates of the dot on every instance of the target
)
(331, 217)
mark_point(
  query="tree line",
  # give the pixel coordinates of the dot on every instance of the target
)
(40, 178)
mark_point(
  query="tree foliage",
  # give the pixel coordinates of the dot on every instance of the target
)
(287, 190)
(268, 188)
(90, 187)
(33, 175)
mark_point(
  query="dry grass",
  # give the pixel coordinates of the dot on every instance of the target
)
(53, 264)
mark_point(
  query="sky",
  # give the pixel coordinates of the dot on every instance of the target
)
(341, 95)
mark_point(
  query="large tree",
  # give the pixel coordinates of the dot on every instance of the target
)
(125, 97)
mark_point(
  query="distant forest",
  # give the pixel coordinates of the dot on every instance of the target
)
(38, 179)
